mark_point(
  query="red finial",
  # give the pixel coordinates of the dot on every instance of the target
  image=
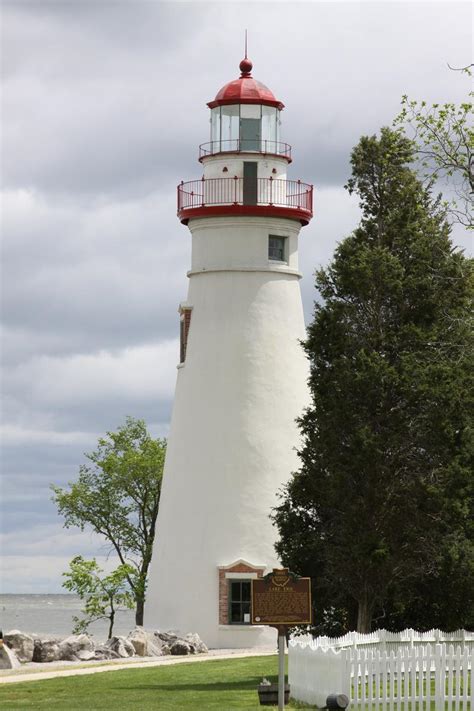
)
(245, 67)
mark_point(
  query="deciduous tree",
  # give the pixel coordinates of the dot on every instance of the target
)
(117, 495)
(103, 595)
(444, 138)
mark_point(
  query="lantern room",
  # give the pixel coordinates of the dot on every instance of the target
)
(245, 117)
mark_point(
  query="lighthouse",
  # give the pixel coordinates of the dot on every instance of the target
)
(242, 376)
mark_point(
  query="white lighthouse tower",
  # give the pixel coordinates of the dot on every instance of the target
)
(242, 379)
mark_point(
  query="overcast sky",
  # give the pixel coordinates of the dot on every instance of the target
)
(104, 106)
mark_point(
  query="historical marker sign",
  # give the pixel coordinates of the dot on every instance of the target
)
(281, 599)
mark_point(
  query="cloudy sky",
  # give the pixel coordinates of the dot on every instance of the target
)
(104, 106)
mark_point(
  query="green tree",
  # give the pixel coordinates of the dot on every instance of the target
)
(103, 595)
(444, 139)
(387, 444)
(117, 495)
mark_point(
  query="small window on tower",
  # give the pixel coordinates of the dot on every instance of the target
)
(185, 322)
(239, 602)
(277, 248)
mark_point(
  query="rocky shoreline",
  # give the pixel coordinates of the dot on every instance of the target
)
(20, 648)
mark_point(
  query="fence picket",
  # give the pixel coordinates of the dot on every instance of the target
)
(427, 675)
(457, 679)
(392, 680)
(465, 679)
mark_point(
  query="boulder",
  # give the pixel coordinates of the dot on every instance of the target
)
(121, 645)
(196, 643)
(166, 637)
(46, 650)
(156, 646)
(139, 639)
(8, 658)
(77, 646)
(180, 647)
(103, 653)
(21, 644)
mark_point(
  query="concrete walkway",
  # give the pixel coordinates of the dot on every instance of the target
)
(45, 671)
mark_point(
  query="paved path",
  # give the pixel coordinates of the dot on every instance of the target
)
(24, 674)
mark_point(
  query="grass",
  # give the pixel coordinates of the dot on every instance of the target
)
(216, 685)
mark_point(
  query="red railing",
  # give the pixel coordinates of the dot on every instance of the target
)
(209, 192)
(245, 146)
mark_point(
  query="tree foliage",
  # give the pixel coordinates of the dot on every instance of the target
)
(383, 498)
(103, 595)
(444, 137)
(117, 495)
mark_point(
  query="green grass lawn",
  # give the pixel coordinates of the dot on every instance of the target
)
(212, 686)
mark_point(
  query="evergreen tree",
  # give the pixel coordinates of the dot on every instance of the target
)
(383, 499)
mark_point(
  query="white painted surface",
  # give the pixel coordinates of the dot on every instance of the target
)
(233, 433)
(234, 162)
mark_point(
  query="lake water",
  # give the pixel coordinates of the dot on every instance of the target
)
(52, 615)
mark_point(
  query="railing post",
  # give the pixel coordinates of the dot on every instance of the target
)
(235, 189)
(299, 194)
(203, 201)
(271, 190)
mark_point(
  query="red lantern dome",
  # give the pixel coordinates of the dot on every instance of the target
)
(245, 90)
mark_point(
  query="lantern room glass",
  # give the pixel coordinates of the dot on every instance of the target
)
(232, 128)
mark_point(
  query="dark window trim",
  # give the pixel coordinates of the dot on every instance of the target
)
(243, 579)
(285, 248)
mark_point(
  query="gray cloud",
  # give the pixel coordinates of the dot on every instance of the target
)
(104, 106)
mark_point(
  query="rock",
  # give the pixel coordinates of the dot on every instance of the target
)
(139, 639)
(8, 658)
(196, 643)
(180, 647)
(121, 645)
(46, 650)
(21, 644)
(156, 646)
(75, 647)
(166, 636)
(102, 653)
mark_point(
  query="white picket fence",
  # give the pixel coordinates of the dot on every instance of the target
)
(420, 678)
(386, 641)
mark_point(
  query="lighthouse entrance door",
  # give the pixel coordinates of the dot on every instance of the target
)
(250, 183)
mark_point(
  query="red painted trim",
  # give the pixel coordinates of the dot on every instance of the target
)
(236, 100)
(291, 213)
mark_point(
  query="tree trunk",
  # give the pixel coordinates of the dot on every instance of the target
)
(139, 611)
(111, 624)
(364, 615)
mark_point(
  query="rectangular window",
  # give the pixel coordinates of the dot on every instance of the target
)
(277, 248)
(239, 602)
(184, 324)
